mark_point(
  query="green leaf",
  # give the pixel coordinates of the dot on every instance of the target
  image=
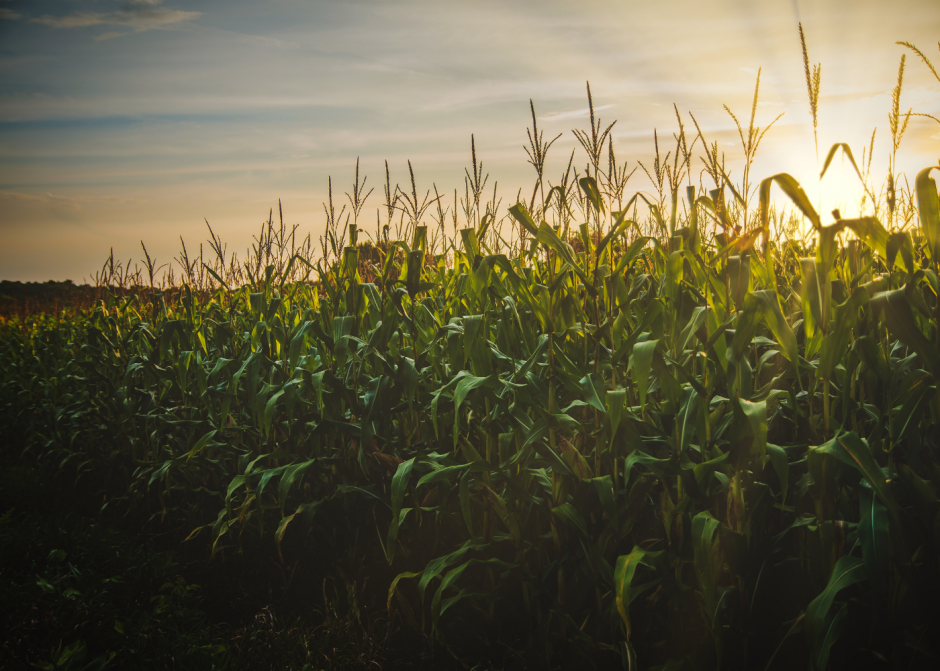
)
(855, 452)
(464, 387)
(874, 536)
(833, 630)
(589, 187)
(641, 362)
(305, 511)
(508, 518)
(436, 566)
(548, 237)
(267, 476)
(662, 468)
(632, 252)
(571, 517)
(623, 578)
(899, 318)
(604, 487)
(470, 245)
(616, 401)
(756, 414)
(521, 214)
(810, 295)
(591, 394)
(768, 304)
(616, 228)
(399, 487)
(464, 496)
(401, 576)
(707, 558)
(201, 443)
(847, 571)
(928, 207)
(778, 458)
(269, 409)
(793, 190)
(836, 342)
(688, 417)
(703, 471)
(832, 152)
(291, 474)
(439, 606)
(900, 241)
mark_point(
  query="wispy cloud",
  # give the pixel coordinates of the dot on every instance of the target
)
(573, 114)
(9, 15)
(138, 15)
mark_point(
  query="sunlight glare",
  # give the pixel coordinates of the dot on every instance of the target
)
(840, 188)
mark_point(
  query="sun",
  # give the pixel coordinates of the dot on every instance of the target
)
(840, 188)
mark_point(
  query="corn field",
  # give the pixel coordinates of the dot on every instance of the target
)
(673, 430)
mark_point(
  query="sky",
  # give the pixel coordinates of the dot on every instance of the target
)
(123, 121)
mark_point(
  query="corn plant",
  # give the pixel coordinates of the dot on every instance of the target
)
(685, 449)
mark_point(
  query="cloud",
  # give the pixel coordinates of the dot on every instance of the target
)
(109, 35)
(139, 15)
(9, 15)
(573, 114)
(69, 202)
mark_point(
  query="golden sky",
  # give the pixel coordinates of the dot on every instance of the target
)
(122, 121)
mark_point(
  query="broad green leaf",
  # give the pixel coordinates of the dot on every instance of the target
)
(619, 225)
(793, 190)
(401, 576)
(767, 302)
(575, 461)
(899, 318)
(707, 558)
(874, 537)
(623, 578)
(464, 387)
(832, 152)
(548, 237)
(290, 475)
(508, 517)
(662, 468)
(571, 517)
(641, 362)
(521, 214)
(899, 242)
(688, 417)
(928, 207)
(836, 342)
(305, 512)
(464, 496)
(399, 487)
(851, 450)
(833, 629)
(630, 255)
(810, 295)
(201, 444)
(703, 471)
(591, 394)
(616, 401)
(470, 245)
(756, 414)
(436, 566)
(589, 187)
(847, 571)
(604, 487)
(778, 459)
(439, 605)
